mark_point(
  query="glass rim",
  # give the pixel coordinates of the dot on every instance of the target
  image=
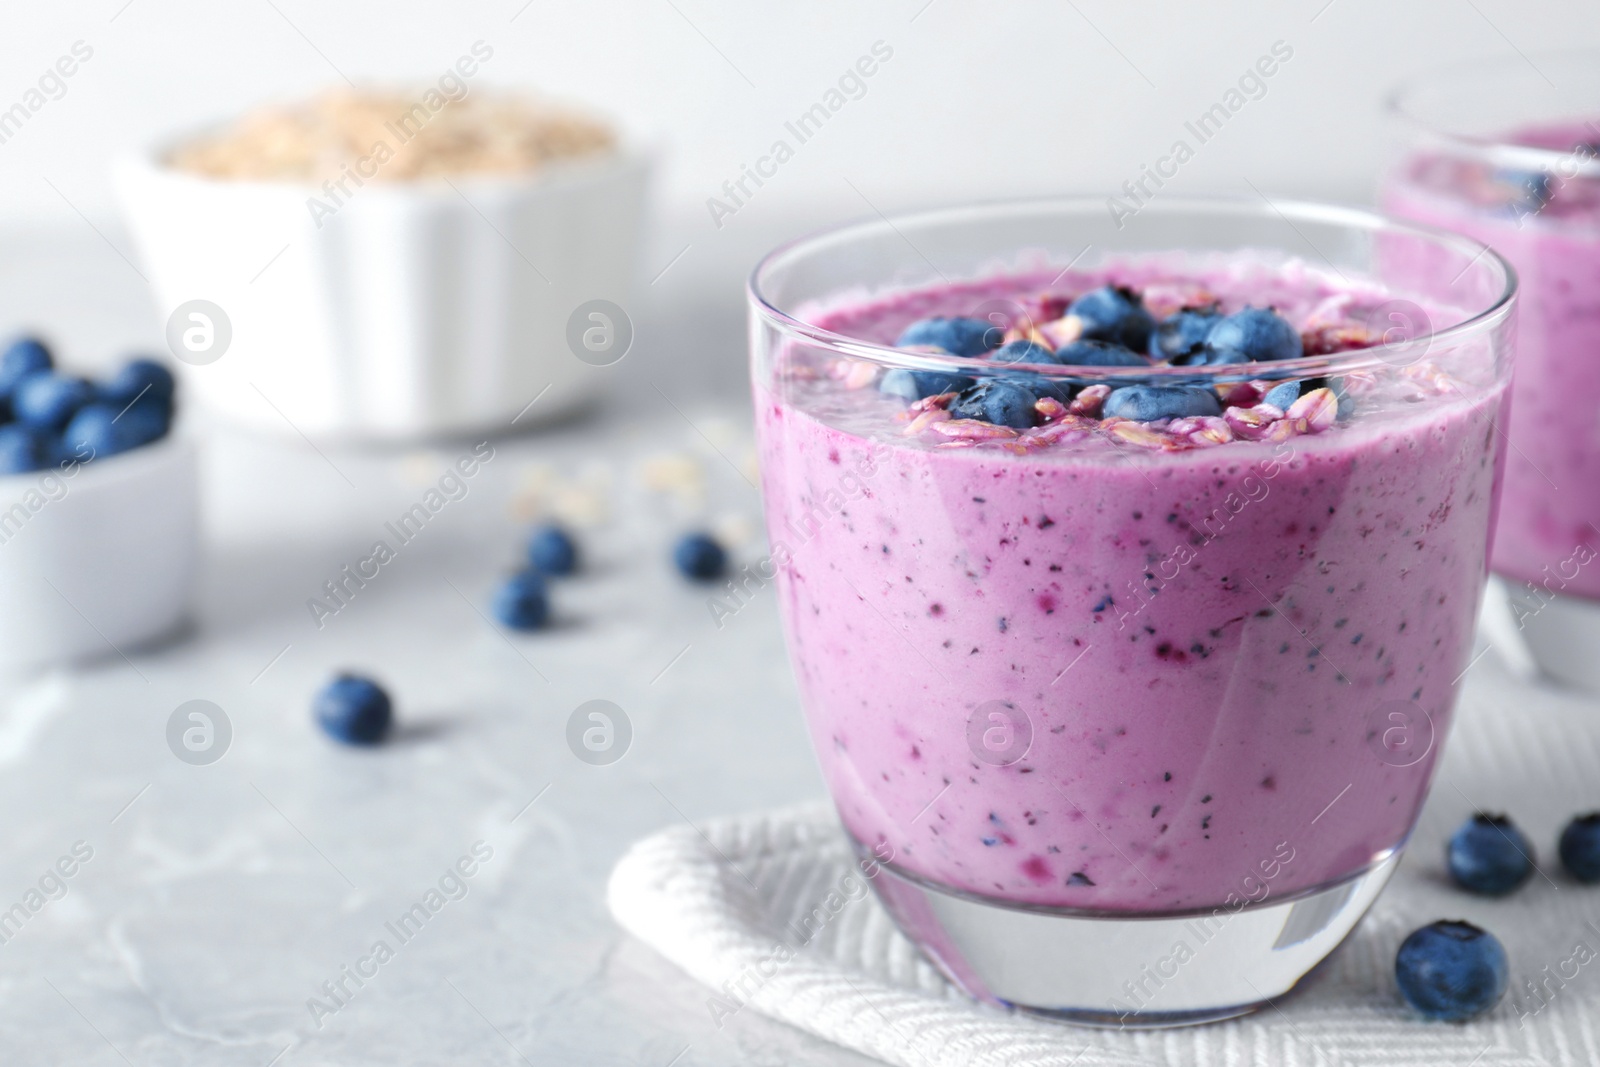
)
(1386, 355)
(1496, 150)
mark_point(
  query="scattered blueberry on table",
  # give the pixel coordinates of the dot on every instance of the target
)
(1580, 847)
(1489, 856)
(1452, 970)
(521, 601)
(698, 556)
(47, 417)
(552, 551)
(354, 710)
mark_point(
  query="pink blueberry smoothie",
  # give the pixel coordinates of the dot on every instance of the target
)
(1205, 628)
(1548, 225)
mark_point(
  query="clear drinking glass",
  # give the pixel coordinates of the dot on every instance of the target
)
(1509, 153)
(1130, 730)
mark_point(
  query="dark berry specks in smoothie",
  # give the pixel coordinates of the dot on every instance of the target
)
(1175, 555)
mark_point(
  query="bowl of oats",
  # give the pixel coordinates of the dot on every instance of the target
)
(396, 265)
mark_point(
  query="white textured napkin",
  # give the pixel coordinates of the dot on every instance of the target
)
(723, 902)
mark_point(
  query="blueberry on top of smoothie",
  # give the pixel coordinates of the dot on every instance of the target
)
(1489, 856)
(1182, 335)
(957, 336)
(1099, 354)
(1004, 402)
(1023, 352)
(1282, 395)
(1260, 333)
(911, 385)
(1149, 403)
(1113, 313)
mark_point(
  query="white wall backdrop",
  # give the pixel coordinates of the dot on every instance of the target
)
(973, 99)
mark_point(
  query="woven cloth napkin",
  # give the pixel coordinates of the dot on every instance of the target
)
(724, 901)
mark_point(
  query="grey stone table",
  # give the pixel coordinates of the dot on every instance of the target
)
(217, 900)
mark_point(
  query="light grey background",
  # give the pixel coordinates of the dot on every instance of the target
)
(978, 100)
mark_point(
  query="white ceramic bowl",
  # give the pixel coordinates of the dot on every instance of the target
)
(413, 310)
(101, 561)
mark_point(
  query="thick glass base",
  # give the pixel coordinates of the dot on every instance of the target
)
(1561, 632)
(1126, 971)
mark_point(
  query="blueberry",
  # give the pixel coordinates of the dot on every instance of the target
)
(1004, 402)
(1182, 335)
(147, 419)
(1580, 847)
(1147, 403)
(23, 449)
(551, 550)
(1041, 386)
(1099, 354)
(96, 432)
(1260, 333)
(1113, 313)
(1451, 971)
(1023, 352)
(47, 400)
(911, 385)
(699, 557)
(24, 356)
(959, 337)
(353, 709)
(1282, 395)
(1489, 855)
(520, 602)
(138, 378)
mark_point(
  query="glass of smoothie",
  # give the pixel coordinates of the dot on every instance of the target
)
(1128, 569)
(1499, 152)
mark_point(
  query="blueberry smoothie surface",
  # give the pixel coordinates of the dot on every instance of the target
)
(1153, 662)
(1547, 223)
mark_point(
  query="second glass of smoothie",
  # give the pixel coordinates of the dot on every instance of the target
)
(1128, 570)
(1509, 153)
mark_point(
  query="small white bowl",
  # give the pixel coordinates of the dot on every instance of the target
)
(99, 561)
(414, 310)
